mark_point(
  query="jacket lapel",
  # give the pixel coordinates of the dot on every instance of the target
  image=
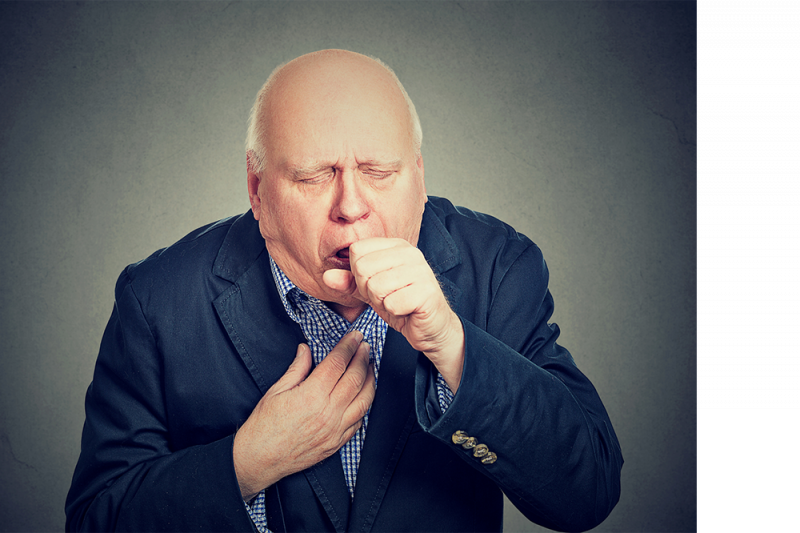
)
(391, 419)
(327, 480)
(266, 339)
(251, 310)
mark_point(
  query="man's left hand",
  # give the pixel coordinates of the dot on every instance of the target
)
(393, 277)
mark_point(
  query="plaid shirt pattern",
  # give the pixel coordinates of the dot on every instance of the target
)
(324, 329)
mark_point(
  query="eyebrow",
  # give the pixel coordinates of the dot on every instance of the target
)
(393, 163)
(314, 166)
(308, 169)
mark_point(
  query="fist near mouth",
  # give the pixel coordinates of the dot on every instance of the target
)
(393, 277)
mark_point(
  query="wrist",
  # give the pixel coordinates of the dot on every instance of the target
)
(247, 486)
(448, 357)
(247, 470)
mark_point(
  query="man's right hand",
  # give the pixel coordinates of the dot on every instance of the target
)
(304, 418)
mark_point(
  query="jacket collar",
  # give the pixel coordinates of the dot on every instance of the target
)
(441, 252)
(241, 248)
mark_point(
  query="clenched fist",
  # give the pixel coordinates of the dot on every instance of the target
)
(393, 277)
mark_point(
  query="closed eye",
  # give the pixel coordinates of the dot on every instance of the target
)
(377, 174)
(315, 179)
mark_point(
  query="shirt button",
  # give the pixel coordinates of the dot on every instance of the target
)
(460, 437)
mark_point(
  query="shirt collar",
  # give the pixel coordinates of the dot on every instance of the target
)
(282, 281)
(291, 295)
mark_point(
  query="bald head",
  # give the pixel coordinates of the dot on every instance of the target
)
(327, 83)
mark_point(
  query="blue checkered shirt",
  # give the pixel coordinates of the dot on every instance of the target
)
(323, 329)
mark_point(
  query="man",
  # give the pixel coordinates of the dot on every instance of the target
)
(231, 373)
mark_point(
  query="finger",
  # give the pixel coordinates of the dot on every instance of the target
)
(352, 381)
(360, 405)
(330, 370)
(350, 431)
(412, 299)
(296, 373)
(382, 272)
(368, 264)
(373, 244)
(384, 283)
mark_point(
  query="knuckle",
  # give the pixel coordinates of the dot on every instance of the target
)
(362, 405)
(394, 303)
(374, 290)
(355, 248)
(352, 382)
(337, 363)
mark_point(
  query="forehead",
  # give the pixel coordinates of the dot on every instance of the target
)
(320, 111)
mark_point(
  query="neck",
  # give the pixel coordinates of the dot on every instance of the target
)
(349, 313)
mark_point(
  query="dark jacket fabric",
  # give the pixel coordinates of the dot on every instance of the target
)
(198, 334)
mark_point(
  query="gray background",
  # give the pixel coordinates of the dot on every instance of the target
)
(122, 128)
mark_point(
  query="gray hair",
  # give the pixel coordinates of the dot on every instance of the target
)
(254, 146)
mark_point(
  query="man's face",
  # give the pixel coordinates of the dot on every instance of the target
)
(340, 167)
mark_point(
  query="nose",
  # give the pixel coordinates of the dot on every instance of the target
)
(349, 205)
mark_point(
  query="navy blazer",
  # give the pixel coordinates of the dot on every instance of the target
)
(198, 334)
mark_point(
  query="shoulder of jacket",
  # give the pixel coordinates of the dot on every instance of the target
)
(195, 252)
(473, 230)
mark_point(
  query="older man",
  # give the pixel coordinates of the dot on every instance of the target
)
(383, 363)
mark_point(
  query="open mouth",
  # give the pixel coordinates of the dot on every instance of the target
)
(341, 258)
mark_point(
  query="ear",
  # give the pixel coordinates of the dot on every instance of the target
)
(421, 171)
(253, 184)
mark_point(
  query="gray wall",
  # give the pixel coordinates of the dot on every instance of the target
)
(122, 128)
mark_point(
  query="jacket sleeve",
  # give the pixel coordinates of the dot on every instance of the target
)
(557, 457)
(128, 477)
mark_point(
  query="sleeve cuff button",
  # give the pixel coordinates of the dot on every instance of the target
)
(470, 443)
(481, 450)
(460, 437)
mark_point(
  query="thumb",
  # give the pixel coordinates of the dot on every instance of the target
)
(340, 280)
(296, 373)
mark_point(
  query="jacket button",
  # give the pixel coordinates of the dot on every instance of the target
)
(490, 458)
(480, 450)
(470, 443)
(459, 437)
